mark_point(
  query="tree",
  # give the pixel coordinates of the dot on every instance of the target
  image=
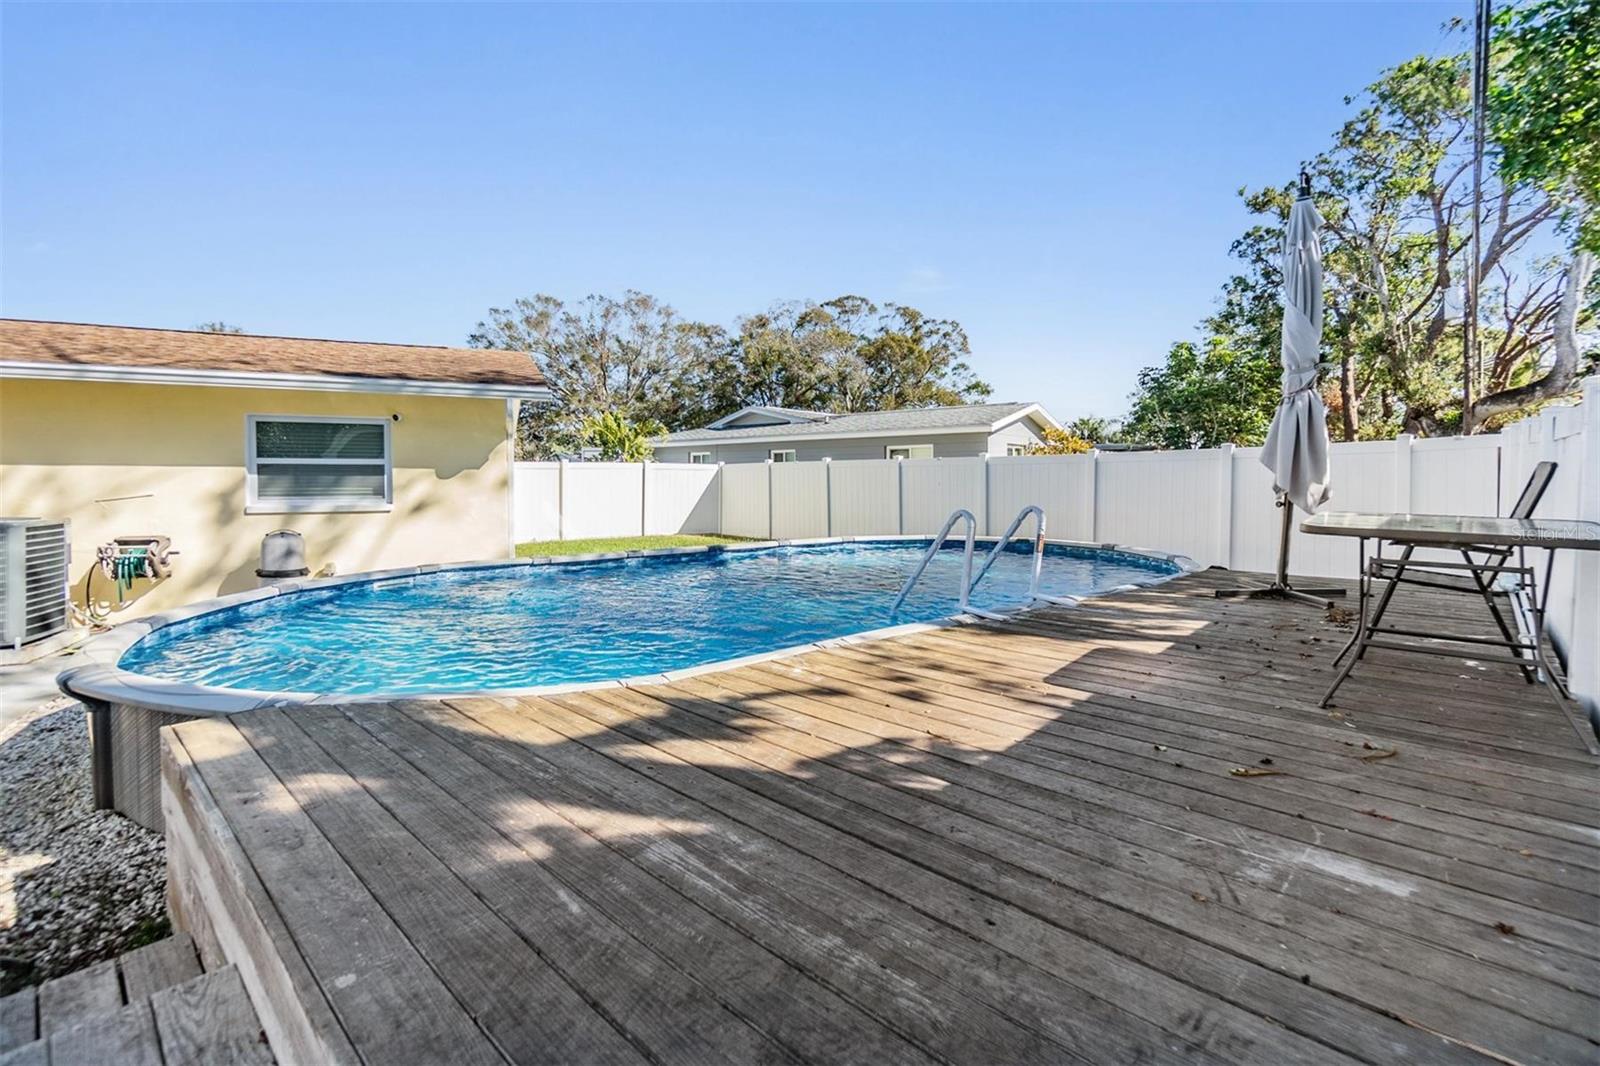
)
(790, 356)
(1394, 189)
(599, 356)
(1544, 116)
(1060, 442)
(910, 360)
(1205, 395)
(620, 440)
(217, 327)
(636, 357)
(847, 354)
(1544, 105)
(1091, 428)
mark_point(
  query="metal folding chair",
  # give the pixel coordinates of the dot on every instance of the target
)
(1480, 572)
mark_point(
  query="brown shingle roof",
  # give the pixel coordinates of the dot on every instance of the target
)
(78, 344)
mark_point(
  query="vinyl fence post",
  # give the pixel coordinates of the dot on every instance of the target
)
(1402, 473)
(770, 534)
(1225, 518)
(644, 499)
(988, 501)
(900, 495)
(1091, 488)
(722, 501)
(1583, 643)
(561, 499)
(827, 496)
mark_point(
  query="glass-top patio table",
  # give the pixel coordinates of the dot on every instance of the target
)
(1493, 564)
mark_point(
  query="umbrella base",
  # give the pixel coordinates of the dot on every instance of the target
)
(1316, 597)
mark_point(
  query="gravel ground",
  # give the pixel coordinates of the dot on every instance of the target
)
(77, 885)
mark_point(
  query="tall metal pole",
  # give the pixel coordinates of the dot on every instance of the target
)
(1470, 366)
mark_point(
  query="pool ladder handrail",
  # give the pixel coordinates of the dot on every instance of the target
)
(959, 514)
(1034, 595)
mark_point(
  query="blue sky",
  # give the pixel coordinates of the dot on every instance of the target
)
(1061, 180)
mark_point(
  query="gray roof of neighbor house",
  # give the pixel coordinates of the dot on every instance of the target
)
(72, 349)
(975, 417)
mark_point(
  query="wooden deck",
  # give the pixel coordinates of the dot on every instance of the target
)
(1017, 842)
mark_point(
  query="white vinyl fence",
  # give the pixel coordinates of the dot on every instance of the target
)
(1214, 505)
(570, 501)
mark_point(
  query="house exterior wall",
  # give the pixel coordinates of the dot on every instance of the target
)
(1023, 431)
(131, 459)
(945, 446)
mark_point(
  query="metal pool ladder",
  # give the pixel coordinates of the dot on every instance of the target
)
(1034, 595)
(959, 514)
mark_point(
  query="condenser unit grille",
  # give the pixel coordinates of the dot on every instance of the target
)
(35, 558)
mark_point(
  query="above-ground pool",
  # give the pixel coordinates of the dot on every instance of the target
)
(518, 626)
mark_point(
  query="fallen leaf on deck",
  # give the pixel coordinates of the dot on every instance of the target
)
(1378, 753)
(1505, 928)
(1252, 771)
(1378, 814)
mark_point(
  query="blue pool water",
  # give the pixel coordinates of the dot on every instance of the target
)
(513, 627)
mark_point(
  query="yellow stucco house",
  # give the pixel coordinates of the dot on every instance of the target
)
(380, 455)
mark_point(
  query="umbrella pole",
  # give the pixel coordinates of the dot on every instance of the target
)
(1280, 589)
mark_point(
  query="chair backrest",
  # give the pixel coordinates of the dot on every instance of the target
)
(1533, 491)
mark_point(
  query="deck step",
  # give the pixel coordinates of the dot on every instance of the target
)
(204, 1021)
(208, 1021)
(79, 997)
(19, 1019)
(153, 967)
(126, 1036)
(151, 1006)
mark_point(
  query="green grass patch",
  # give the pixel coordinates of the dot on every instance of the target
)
(148, 931)
(618, 544)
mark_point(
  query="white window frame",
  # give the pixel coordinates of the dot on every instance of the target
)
(254, 504)
(700, 458)
(1014, 450)
(772, 455)
(890, 449)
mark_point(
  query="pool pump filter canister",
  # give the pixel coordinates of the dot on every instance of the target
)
(283, 554)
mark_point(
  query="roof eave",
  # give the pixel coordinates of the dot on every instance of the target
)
(250, 379)
(725, 436)
(1035, 411)
(788, 417)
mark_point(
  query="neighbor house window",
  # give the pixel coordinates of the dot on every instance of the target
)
(317, 464)
(782, 455)
(699, 457)
(908, 451)
(1016, 449)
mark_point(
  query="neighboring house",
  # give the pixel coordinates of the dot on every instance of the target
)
(381, 455)
(783, 434)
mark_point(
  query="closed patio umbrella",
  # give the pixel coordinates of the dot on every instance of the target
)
(1297, 444)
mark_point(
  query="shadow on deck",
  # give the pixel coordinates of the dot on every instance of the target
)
(1118, 833)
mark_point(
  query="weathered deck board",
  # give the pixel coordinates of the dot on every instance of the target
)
(167, 962)
(126, 1036)
(388, 1000)
(833, 912)
(78, 997)
(991, 826)
(1017, 841)
(208, 1020)
(1433, 824)
(19, 1018)
(1197, 842)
